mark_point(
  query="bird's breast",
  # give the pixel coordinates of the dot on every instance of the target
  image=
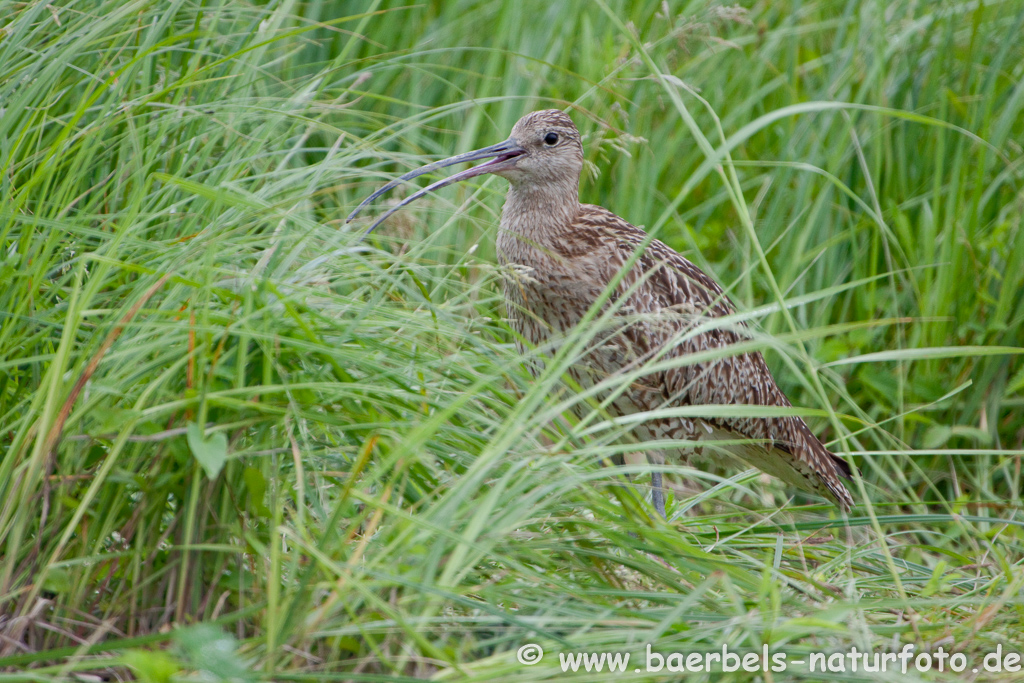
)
(545, 298)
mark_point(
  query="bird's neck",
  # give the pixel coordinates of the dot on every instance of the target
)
(537, 217)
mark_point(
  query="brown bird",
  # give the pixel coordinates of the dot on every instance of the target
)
(565, 254)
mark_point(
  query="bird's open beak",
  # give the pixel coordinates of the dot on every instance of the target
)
(502, 156)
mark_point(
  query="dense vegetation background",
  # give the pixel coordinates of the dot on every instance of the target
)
(236, 439)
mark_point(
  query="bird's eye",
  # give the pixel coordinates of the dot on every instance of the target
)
(551, 138)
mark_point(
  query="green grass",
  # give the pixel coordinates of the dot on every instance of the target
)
(217, 405)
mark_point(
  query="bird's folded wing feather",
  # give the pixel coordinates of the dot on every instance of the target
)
(669, 296)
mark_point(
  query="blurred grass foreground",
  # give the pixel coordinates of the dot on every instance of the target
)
(237, 440)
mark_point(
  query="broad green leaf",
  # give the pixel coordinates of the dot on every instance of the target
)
(211, 451)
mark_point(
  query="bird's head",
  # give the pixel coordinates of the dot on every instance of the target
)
(543, 149)
(551, 149)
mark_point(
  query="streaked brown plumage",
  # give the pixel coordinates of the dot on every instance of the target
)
(566, 253)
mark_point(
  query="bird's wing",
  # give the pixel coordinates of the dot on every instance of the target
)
(673, 298)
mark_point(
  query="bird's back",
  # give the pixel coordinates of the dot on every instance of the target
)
(666, 308)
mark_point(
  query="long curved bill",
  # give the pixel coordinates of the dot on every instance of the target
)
(501, 156)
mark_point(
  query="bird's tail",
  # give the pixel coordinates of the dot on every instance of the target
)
(801, 461)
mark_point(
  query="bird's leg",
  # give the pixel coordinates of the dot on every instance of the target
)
(658, 494)
(657, 486)
(619, 460)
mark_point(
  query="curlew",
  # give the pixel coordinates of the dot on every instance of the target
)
(566, 255)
